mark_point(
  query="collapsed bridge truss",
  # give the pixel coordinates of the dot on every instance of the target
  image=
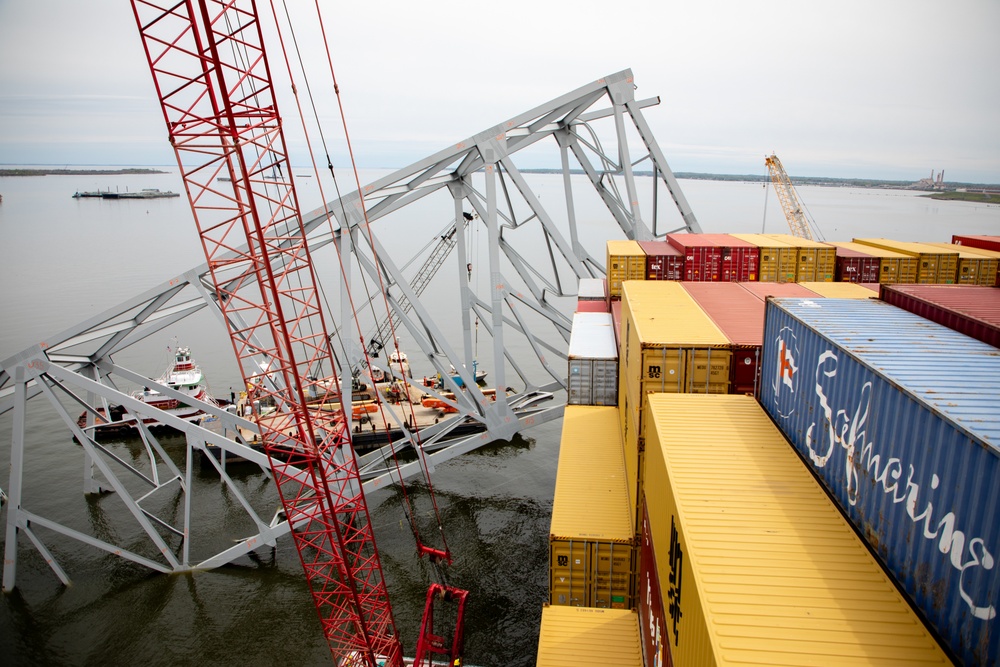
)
(534, 255)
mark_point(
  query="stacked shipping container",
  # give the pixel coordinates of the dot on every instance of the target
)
(980, 241)
(971, 310)
(668, 344)
(899, 418)
(591, 554)
(625, 261)
(740, 316)
(933, 266)
(754, 564)
(701, 258)
(814, 261)
(894, 267)
(663, 261)
(778, 260)
(976, 266)
(854, 266)
(738, 260)
(581, 637)
(593, 361)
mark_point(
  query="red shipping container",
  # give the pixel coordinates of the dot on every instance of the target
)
(764, 290)
(987, 242)
(856, 267)
(587, 306)
(973, 310)
(653, 624)
(701, 258)
(663, 261)
(740, 316)
(739, 260)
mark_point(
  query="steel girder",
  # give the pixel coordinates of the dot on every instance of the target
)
(535, 254)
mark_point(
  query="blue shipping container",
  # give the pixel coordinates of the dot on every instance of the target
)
(900, 419)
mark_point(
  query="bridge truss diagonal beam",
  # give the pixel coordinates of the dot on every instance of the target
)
(502, 297)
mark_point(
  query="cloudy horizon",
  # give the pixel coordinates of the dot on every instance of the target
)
(891, 90)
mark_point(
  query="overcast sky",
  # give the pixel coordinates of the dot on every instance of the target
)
(854, 88)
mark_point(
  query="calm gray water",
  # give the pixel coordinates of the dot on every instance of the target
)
(63, 259)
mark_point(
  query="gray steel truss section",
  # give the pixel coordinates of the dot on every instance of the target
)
(540, 240)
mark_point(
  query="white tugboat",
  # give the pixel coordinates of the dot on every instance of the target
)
(183, 376)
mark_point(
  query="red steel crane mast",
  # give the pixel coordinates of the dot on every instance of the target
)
(213, 83)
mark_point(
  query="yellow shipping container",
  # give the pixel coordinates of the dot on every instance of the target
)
(626, 260)
(633, 446)
(934, 267)
(815, 261)
(756, 564)
(668, 344)
(581, 637)
(841, 290)
(976, 266)
(778, 260)
(591, 554)
(895, 267)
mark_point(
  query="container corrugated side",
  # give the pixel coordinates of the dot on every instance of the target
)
(592, 535)
(593, 361)
(816, 262)
(973, 310)
(663, 261)
(740, 316)
(701, 257)
(778, 260)
(932, 267)
(977, 241)
(625, 261)
(652, 617)
(856, 267)
(582, 637)
(755, 563)
(894, 267)
(991, 254)
(739, 261)
(976, 266)
(898, 416)
(668, 344)
(839, 290)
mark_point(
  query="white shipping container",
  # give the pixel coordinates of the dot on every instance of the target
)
(593, 360)
(592, 289)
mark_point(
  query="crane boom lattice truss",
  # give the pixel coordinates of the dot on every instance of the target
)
(214, 86)
(795, 211)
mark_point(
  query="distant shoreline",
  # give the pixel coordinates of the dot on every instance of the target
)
(749, 178)
(79, 172)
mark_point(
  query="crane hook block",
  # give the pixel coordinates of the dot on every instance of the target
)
(430, 644)
(435, 555)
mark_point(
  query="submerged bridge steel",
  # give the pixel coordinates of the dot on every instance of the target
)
(597, 131)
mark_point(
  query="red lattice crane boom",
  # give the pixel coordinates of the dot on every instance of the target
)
(214, 86)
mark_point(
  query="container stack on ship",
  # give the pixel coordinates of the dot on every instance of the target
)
(800, 463)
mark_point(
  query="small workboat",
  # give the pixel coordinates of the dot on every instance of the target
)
(183, 375)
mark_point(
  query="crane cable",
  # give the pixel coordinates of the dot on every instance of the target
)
(422, 549)
(408, 510)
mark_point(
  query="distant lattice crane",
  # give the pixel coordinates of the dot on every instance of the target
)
(795, 211)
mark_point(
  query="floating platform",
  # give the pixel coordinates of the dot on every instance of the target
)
(149, 193)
